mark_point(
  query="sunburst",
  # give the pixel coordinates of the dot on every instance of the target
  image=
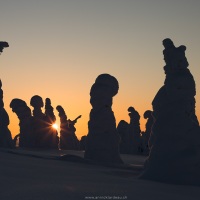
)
(55, 126)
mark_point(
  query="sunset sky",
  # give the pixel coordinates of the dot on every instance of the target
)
(59, 47)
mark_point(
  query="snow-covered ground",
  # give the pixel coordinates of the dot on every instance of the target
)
(37, 175)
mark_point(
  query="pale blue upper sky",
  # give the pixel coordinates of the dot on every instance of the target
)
(58, 48)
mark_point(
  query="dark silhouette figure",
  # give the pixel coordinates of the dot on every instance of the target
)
(175, 147)
(52, 134)
(3, 45)
(49, 111)
(146, 134)
(5, 134)
(45, 134)
(103, 139)
(68, 139)
(134, 131)
(37, 103)
(171, 53)
(122, 129)
(39, 121)
(26, 136)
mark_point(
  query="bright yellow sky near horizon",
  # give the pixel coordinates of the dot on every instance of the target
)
(58, 48)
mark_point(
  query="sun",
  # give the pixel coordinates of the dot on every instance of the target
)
(55, 126)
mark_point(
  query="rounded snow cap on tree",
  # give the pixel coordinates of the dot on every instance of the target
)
(108, 81)
(147, 114)
(168, 43)
(60, 109)
(17, 103)
(131, 109)
(48, 101)
(36, 101)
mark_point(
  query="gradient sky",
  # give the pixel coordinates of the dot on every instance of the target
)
(59, 47)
